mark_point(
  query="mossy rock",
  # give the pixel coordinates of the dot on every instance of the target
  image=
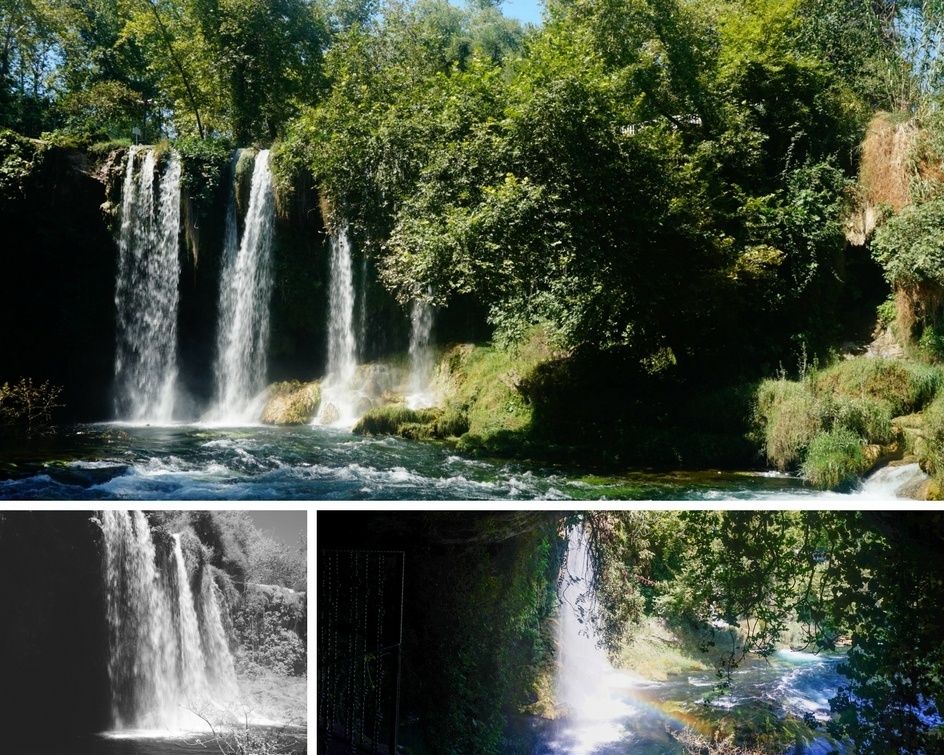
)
(930, 490)
(904, 386)
(291, 403)
(395, 420)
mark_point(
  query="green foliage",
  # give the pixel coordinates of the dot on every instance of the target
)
(204, 165)
(618, 542)
(835, 458)
(267, 639)
(109, 108)
(887, 311)
(860, 575)
(904, 386)
(931, 451)
(788, 414)
(17, 155)
(931, 342)
(909, 246)
(28, 407)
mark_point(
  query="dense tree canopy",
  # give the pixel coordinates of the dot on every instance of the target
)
(634, 174)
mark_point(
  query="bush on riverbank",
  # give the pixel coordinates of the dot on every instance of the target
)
(835, 458)
(825, 422)
(27, 407)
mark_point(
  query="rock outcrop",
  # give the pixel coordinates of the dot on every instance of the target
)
(291, 403)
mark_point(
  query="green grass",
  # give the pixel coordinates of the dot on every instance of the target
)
(394, 420)
(835, 458)
(905, 386)
(481, 385)
(655, 653)
(823, 423)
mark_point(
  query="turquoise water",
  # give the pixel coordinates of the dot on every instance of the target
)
(203, 462)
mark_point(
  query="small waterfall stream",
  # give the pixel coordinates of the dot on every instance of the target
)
(421, 356)
(245, 294)
(169, 656)
(339, 399)
(146, 291)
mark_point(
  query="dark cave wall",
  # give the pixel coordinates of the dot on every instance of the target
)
(53, 635)
(57, 288)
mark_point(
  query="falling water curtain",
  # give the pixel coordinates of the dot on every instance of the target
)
(360, 620)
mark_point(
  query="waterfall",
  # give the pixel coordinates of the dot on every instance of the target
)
(421, 356)
(168, 655)
(892, 481)
(245, 294)
(339, 400)
(146, 291)
(584, 673)
(362, 313)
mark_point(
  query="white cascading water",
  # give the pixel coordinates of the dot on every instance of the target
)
(892, 481)
(221, 672)
(146, 292)
(192, 665)
(584, 673)
(168, 654)
(338, 388)
(245, 294)
(421, 356)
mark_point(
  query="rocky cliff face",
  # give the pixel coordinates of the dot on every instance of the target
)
(56, 290)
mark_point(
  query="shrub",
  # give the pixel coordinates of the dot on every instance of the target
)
(910, 245)
(835, 458)
(28, 407)
(931, 342)
(905, 386)
(788, 414)
(931, 452)
(867, 417)
(17, 157)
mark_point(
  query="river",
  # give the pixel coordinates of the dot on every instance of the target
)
(204, 462)
(635, 716)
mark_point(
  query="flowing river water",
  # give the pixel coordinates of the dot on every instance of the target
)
(632, 716)
(312, 462)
